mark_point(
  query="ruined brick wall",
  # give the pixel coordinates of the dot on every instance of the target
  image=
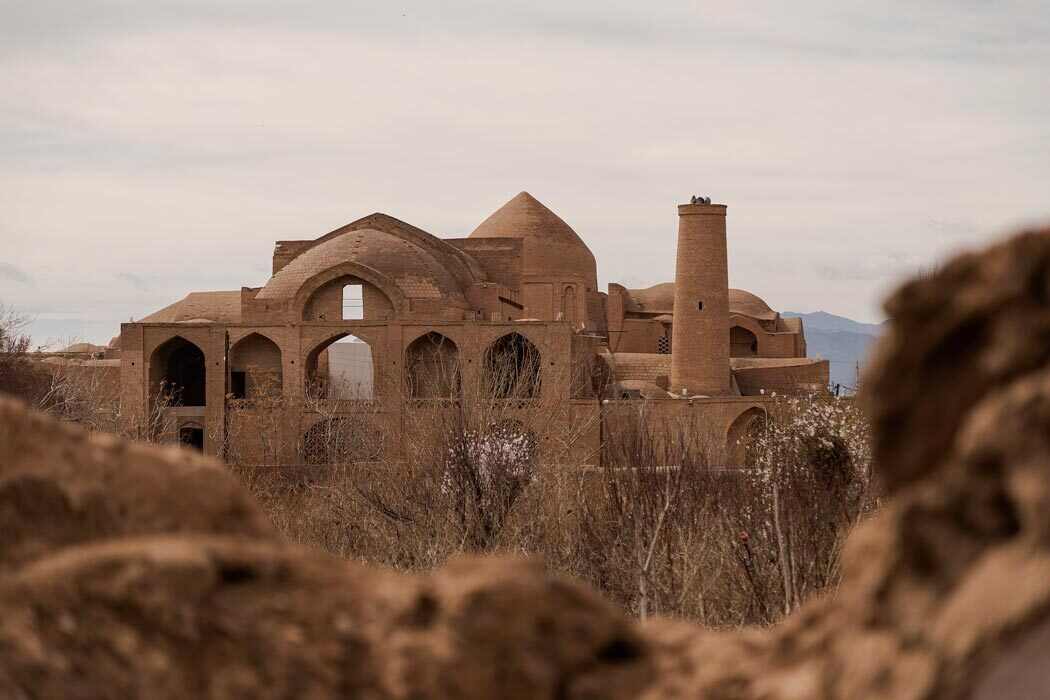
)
(642, 335)
(596, 312)
(779, 345)
(285, 251)
(638, 366)
(501, 257)
(782, 379)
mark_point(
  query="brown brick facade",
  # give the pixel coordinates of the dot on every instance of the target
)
(522, 274)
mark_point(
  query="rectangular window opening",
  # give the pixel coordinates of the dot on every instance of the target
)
(239, 385)
(353, 303)
(700, 305)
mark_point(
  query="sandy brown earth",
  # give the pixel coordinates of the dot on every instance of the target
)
(130, 571)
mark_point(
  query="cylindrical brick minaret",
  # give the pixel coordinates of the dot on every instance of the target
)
(700, 334)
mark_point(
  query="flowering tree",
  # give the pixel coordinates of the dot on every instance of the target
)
(812, 478)
(485, 472)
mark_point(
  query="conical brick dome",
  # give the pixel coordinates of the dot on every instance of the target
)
(551, 247)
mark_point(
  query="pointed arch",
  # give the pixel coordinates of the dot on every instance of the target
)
(512, 367)
(255, 367)
(741, 432)
(742, 342)
(342, 371)
(432, 367)
(745, 337)
(568, 304)
(321, 296)
(178, 374)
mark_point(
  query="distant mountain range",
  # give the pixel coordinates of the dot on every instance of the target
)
(843, 341)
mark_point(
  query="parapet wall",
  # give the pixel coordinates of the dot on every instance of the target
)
(783, 379)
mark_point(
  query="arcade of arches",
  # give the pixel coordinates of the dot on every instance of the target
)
(380, 316)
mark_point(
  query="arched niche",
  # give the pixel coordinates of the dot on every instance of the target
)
(341, 368)
(255, 368)
(432, 367)
(742, 342)
(348, 298)
(512, 368)
(191, 435)
(178, 374)
(742, 432)
(568, 304)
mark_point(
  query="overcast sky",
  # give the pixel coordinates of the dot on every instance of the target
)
(150, 149)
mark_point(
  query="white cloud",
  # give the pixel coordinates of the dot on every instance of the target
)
(174, 142)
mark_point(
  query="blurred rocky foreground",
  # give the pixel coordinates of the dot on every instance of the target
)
(128, 571)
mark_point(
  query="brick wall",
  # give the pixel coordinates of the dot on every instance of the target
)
(785, 379)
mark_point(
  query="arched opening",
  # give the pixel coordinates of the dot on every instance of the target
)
(255, 368)
(742, 432)
(177, 374)
(568, 304)
(340, 441)
(348, 298)
(191, 435)
(742, 342)
(341, 369)
(512, 368)
(432, 367)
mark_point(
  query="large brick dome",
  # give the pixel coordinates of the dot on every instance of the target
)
(415, 271)
(551, 247)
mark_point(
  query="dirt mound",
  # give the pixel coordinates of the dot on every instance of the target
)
(130, 571)
(133, 571)
(62, 486)
(214, 617)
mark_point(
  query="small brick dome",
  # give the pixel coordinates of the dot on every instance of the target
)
(747, 304)
(551, 247)
(656, 299)
(660, 299)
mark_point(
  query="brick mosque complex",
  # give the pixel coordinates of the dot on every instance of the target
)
(512, 312)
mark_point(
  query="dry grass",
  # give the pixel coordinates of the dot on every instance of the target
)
(662, 527)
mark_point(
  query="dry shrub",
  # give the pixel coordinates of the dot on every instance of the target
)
(19, 375)
(663, 526)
